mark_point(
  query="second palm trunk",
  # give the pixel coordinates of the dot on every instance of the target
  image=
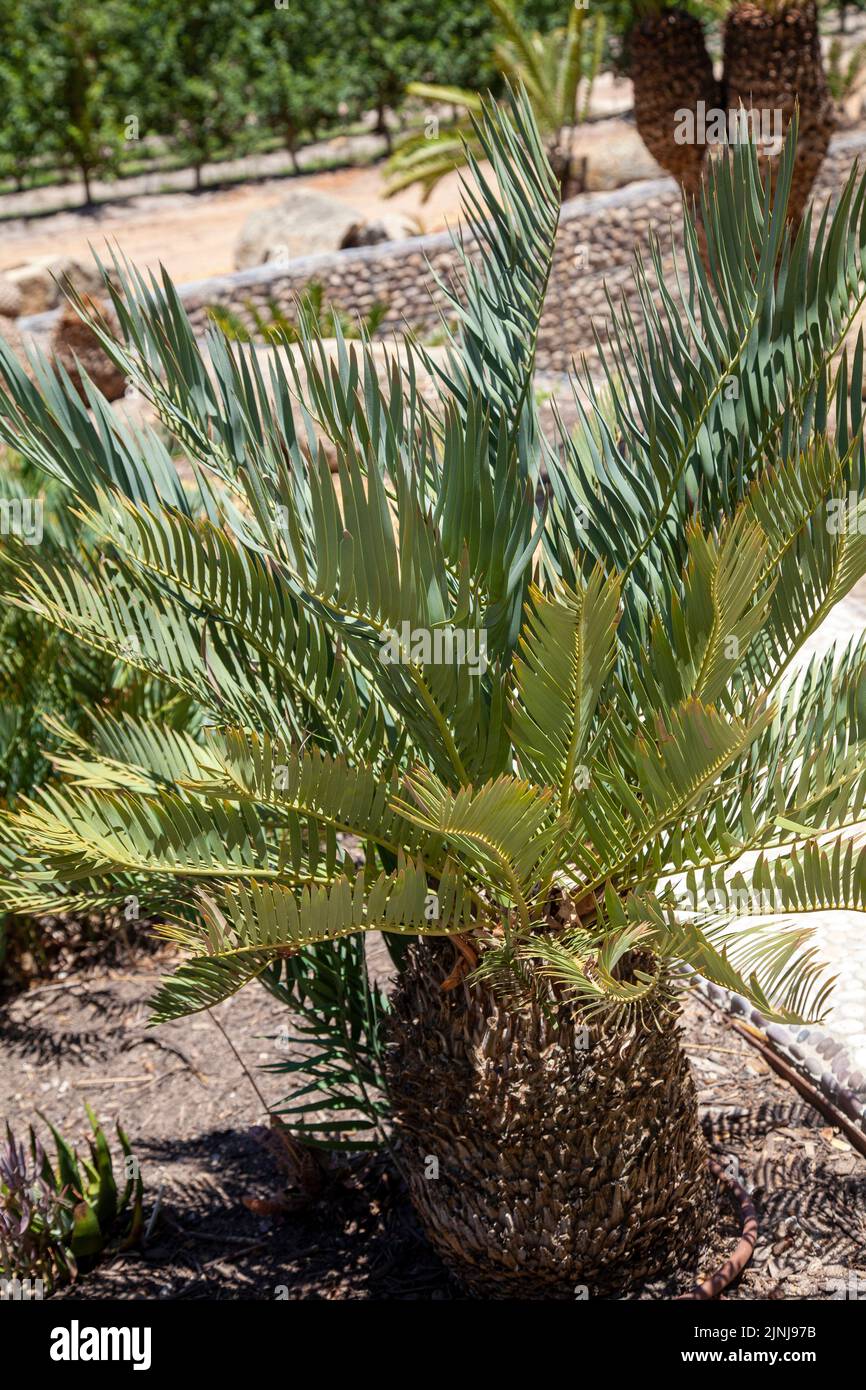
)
(772, 63)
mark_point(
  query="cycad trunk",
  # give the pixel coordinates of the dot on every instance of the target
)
(543, 1158)
(671, 72)
(772, 61)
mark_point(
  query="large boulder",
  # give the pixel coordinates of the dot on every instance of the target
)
(609, 154)
(10, 298)
(390, 226)
(41, 283)
(302, 224)
(74, 342)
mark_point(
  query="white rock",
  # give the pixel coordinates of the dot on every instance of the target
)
(39, 281)
(302, 224)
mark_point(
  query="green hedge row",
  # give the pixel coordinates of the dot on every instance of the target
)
(86, 86)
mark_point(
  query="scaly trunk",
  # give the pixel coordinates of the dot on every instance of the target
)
(566, 1157)
(773, 59)
(671, 72)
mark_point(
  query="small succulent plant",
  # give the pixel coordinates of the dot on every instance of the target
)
(56, 1219)
(36, 1220)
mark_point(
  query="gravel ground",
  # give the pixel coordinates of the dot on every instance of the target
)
(227, 1229)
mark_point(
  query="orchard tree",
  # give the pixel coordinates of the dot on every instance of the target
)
(25, 67)
(206, 58)
(86, 120)
(297, 85)
(392, 42)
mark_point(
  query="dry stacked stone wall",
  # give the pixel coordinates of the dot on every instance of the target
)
(597, 237)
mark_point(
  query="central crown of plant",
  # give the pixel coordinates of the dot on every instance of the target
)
(474, 681)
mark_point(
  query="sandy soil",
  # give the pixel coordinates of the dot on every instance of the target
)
(228, 1228)
(194, 235)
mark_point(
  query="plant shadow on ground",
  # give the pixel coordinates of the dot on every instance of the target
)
(360, 1239)
(192, 1118)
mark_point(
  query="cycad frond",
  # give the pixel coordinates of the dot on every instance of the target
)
(641, 593)
(646, 783)
(506, 828)
(311, 785)
(499, 296)
(774, 966)
(80, 833)
(719, 373)
(567, 650)
(250, 924)
(140, 755)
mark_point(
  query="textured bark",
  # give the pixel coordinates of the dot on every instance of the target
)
(559, 1164)
(671, 71)
(772, 59)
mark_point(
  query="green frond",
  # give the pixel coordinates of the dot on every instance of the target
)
(448, 96)
(806, 768)
(644, 783)
(233, 592)
(138, 755)
(250, 924)
(337, 1020)
(696, 648)
(567, 650)
(202, 982)
(809, 878)
(497, 300)
(816, 573)
(717, 374)
(774, 966)
(506, 830)
(310, 785)
(571, 64)
(86, 446)
(280, 635)
(584, 967)
(79, 834)
(427, 162)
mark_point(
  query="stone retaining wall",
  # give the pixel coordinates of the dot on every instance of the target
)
(596, 241)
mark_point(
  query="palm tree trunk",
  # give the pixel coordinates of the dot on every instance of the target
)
(543, 1157)
(671, 72)
(772, 61)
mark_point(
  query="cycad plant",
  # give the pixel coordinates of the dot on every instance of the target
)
(520, 705)
(550, 67)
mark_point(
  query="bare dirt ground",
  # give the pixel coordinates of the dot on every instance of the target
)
(226, 1230)
(194, 235)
